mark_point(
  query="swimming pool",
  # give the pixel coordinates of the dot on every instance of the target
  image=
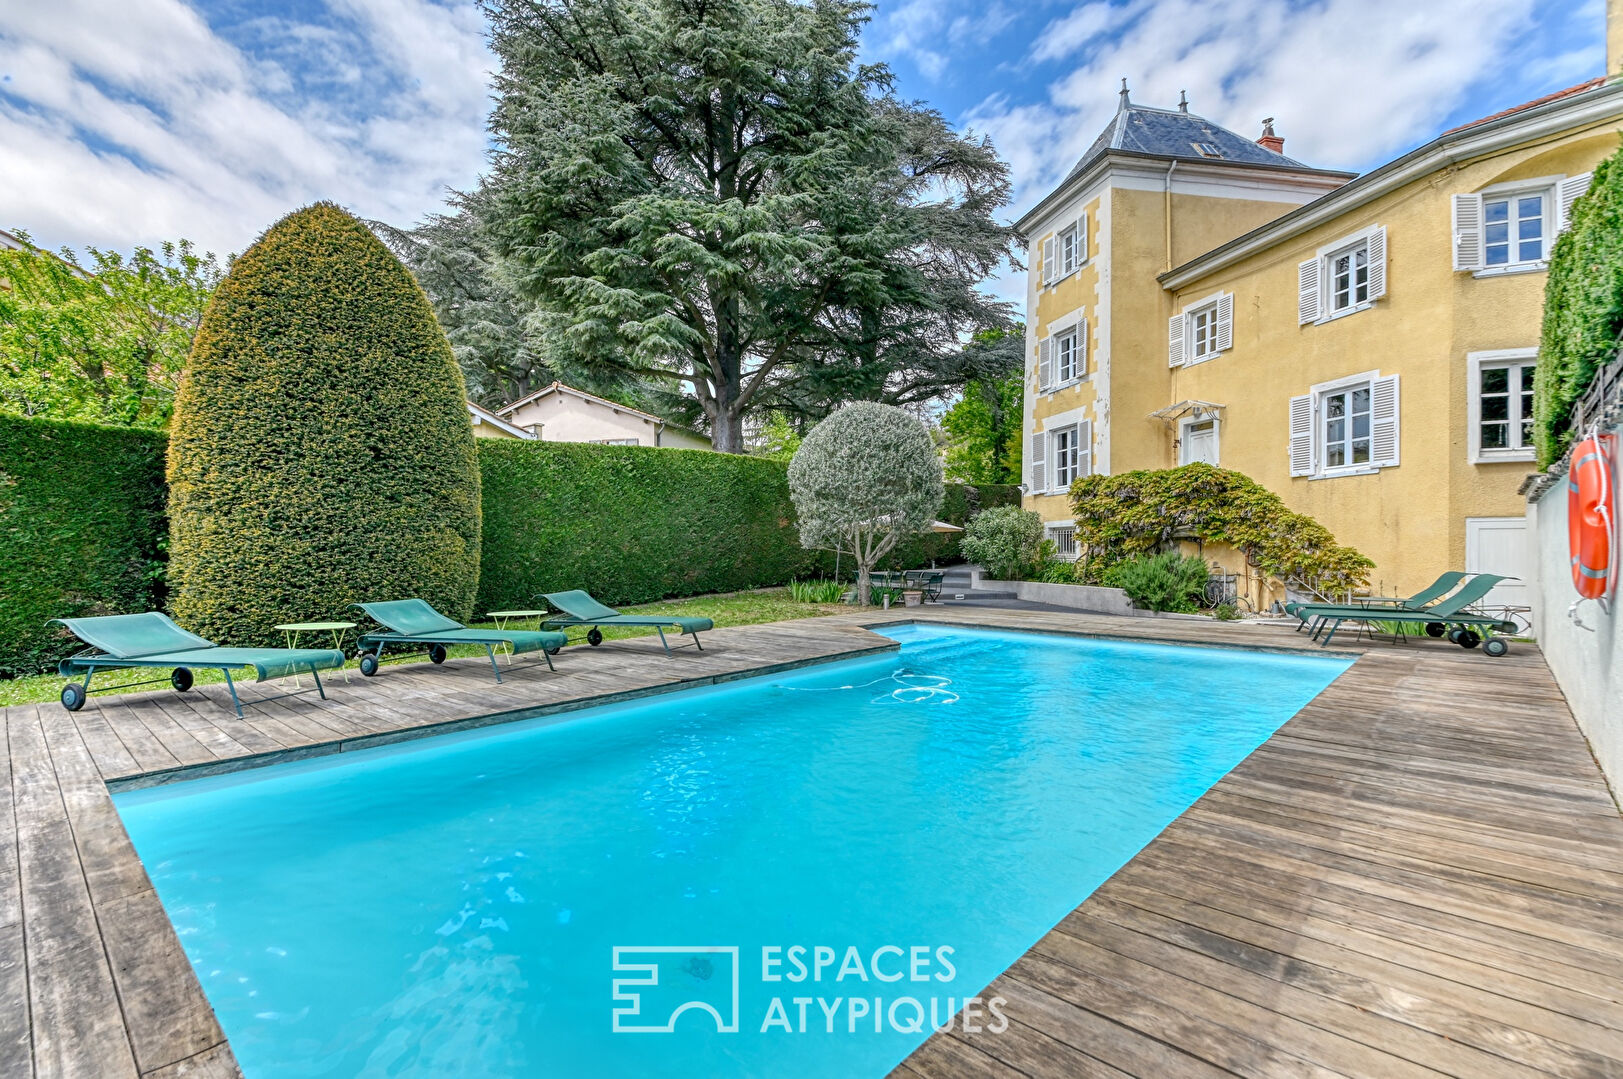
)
(540, 898)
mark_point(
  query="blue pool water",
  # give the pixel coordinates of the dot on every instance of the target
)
(452, 906)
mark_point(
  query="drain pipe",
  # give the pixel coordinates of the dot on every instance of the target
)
(1167, 209)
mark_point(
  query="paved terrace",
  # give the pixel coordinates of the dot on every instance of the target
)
(1419, 874)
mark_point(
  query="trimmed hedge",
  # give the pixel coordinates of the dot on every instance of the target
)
(320, 452)
(631, 524)
(82, 531)
(1583, 308)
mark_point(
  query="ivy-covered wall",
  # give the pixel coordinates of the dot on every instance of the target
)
(82, 531)
(1583, 308)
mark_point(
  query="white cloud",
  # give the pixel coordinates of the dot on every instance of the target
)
(125, 123)
(930, 32)
(1349, 82)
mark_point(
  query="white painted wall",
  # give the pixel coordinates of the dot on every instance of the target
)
(566, 418)
(1588, 663)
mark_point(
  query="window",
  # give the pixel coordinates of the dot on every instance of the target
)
(1063, 536)
(1066, 454)
(1197, 441)
(1501, 406)
(1065, 356)
(1347, 276)
(1509, 228)
(615, 442)
(1202, 331)
(1347, 426)
(1070, 249)
(1513, 228)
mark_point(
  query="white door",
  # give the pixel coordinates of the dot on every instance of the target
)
(1500, 545)
(1199, 442)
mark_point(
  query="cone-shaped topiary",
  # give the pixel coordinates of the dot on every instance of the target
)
(320, 451)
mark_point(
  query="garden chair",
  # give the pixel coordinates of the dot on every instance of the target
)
(413, 623)
(1439, 588)
(1452, 616)
(580, 609)
(152, 639)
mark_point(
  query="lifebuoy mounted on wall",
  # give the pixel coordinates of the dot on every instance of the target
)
(1592, 518)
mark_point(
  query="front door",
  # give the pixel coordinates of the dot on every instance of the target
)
(1199, 442)
(1499, 545)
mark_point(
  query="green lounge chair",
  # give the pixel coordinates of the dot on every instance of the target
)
(580, 609)
(413, 623)
(1451, 616)
(122, 641)
(1439, 588)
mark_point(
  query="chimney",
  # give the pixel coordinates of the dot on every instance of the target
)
(1270, 141)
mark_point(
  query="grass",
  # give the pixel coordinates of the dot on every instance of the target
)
(725, 609)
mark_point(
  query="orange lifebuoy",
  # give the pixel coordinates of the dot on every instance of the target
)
(1590, 515)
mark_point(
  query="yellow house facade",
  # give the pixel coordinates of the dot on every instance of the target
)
(1362, 346)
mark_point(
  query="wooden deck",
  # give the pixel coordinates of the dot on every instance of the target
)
(1386, 888)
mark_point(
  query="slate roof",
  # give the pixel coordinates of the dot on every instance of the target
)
(1171, 133)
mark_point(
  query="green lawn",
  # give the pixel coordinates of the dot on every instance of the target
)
(726, 609)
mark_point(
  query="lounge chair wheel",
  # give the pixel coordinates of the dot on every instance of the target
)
(1435, 629)
(73, 696)
(594, 636)
(554, 650)
(369, 664)
(1495, 646)
(1468, 638)
(436, 653)
(181, 678)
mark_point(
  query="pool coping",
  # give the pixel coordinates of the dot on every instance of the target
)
(93, 979)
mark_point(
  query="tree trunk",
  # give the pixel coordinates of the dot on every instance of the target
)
(864, 583)
(727, 433)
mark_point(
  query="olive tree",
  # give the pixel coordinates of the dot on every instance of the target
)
(864, 479)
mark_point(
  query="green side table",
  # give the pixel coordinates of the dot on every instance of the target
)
(291, 631)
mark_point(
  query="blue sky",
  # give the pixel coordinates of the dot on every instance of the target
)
(132, 121)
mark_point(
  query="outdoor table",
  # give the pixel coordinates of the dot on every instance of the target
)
(501, 618)
(291, 631)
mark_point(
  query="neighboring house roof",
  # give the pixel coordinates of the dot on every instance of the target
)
(1176, 133)
(10, 242)
(559, 387)
(1595, 101)
(481, 414)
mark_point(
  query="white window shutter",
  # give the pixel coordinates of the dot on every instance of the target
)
(1084, 449)
(1225, 321)
(1569, 191)
(1081, 348)
(1377, 262)
(1045, 364)
(1082, 239)
(1467, 232)
(1039, 463)
(1383, 422)
(1048, 260)
(1307, 291)
(1302, 435)
(1175, 341)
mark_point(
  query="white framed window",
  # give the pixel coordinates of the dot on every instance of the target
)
(616, 442)
(1344, 277)
(1064, 252)
(1063, 536)
(1062, 356)
(1061, 455)
(1201, 330)
(1198, 440)
(1066, 456)
(1510, 228)
(1345, 427)
(1501, 404)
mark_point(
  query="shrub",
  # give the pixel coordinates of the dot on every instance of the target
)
(1583, 308)
(1161, 582)
(1226, 612)
(817, 591)
(1135, 513)
(1005, 540)
(320, 451)
(865, 478)
(82, 516)
(633, 523)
